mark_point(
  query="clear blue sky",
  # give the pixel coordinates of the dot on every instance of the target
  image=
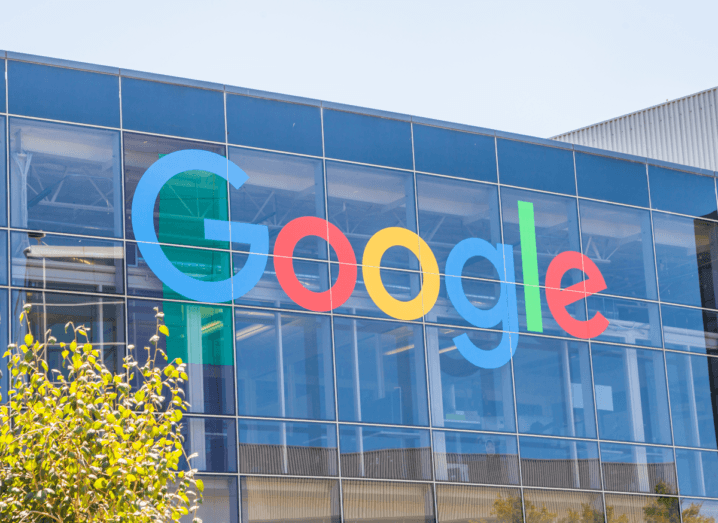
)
(531, 67)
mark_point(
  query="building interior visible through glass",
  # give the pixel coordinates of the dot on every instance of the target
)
(353, 414)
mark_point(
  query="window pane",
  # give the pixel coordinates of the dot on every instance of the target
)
(269, 124)
(444, 151)
(176, 110)
(199, 334)
(4, 340)
(280, 188)
(65, 178)
(556, 506)
(280, 447)
(682, 192)
(481, 294)
(462, 395)
(692, 382)
(683, 255)
(560, 463)
(476, 458)
(367, 139)
(604, 178)
(630, 394)
(3, 177)
(642, 509)
(691, 330)
(104, 317)
(465, 504)
(381, 376)
(214, 440)
(2, 88)
(697, 472)
(66, 262)
(283, 500)
(374, 501)
(553, 387)
(550, 326)
(385, 452)
(63, 94)
(636, 468)
(364, 200)
(618, 240)
(536, 167)
(219, 501)
(200, 264)
(451, 211)
(284, 365)
(630, 322)
(184, 201)
(699, 510)
(556, 226)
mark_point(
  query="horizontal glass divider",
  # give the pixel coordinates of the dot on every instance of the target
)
(93, 126)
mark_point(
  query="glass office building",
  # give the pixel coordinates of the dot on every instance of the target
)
(354, 409)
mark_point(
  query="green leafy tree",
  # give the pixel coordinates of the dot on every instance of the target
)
(87, 447)
(666, 509)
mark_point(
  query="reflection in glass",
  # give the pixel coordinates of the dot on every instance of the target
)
(451, 211)
(631, 322)
(476, 458)
(199, 334)
(468, 504)
(482, 294)
(66, 263)
(214, 440)
(103, 317)
(364, 200)
(381, 376)
(219, 501)
(682, 192)
(462, 395)
(560, 463)
(623, 508)
(618, 240)
(385, 452)
(699, 510)
(282, 500)
(697, 472)
(637, 468)
(692, 382)
(611, 179)
(551, 327)
(65, 178)
(281, 447)
(4, 340)
(692, 330)
(559, 506)
(284, 365)
(536, 166)
(374, 501)
(3, 177)
(280, 188)
(631, 396)
(553, 387)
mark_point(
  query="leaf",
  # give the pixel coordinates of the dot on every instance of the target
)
(200, 485)
(29, 339)
(164, 330)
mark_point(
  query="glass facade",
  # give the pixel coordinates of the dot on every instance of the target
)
(460, 378)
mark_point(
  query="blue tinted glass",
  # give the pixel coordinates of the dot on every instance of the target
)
(701, 508)
(215, 442)
(556, 227)
(63, 94)
(604, 178)
(631, 397)
(697, 473)
(65, 262)
(3, 258)
(476, 458)
(4, 339)
(560, 463)
(219, 500)
(692, 382)
(481, 293)
(553, 387)
(630, 322)
(463, 395)
(65, 178)
(536, 167)
(177, 110)
(280, 447)
(284, 365)
(683, 257)
(451, 211)
(269, 124)
(443, 151)
(636, 468)
(367, 139)
(381, 376)
(682, 192)
(280, 189)
(3, 177)
(2, 87)
(384, 452)
(577, 310)
(692, 330)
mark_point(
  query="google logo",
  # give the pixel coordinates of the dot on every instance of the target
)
(505, 312)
